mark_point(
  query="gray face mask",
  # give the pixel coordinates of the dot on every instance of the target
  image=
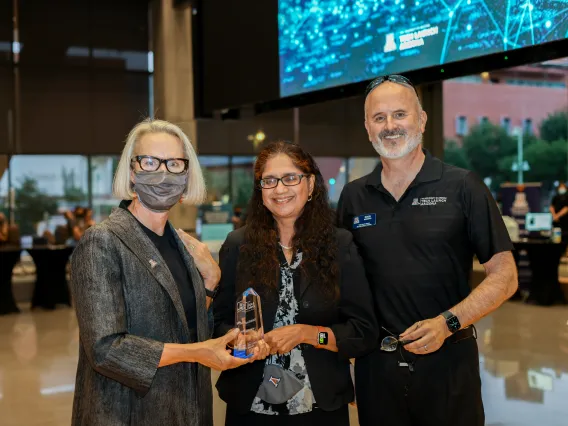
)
(278, 385)
(159, 191)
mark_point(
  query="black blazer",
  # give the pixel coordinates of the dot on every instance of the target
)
(351, 318)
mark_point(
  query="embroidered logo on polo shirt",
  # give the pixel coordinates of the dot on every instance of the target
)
(428, 201)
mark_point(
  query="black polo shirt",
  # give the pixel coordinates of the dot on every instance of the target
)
(418, 252)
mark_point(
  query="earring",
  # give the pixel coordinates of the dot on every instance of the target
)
(310, 197)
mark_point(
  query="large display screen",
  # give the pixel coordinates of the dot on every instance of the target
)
(327, 43)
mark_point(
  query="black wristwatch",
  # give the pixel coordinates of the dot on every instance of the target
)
(211, 293)
(452, 321)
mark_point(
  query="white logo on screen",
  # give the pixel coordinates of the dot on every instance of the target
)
(390, 43)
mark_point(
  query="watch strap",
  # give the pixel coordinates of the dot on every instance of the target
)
(452, 322)
(211, 293)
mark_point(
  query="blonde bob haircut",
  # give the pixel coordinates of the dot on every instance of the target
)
(122, 186)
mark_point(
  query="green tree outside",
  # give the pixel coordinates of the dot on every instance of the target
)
(555, 127)
(455, 155)
(71, 192)
(490, 151)
(32, 204)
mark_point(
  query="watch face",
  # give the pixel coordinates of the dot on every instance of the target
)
(453, 324)
(322, 338)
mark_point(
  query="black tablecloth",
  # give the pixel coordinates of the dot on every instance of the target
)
(51, 281)
(544, 258)
(8, 259)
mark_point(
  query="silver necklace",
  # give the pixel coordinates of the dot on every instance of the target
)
(284, 247)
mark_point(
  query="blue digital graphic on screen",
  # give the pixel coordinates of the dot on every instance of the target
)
(326, 43)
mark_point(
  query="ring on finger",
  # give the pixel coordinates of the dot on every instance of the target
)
(191, 247)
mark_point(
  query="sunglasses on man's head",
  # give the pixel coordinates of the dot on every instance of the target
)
(395, 78)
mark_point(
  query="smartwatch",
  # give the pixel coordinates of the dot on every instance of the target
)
(322, 337)
(211, 293)
(452, 321)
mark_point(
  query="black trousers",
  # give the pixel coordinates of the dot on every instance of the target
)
(443, 390)
(314, 418)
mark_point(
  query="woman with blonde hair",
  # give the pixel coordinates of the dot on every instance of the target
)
(142, 297)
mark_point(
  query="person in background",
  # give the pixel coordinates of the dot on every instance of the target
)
(61, 235)
(559, 210)
(89, 221)
(238, 218)
(14, 238)
(74, 232)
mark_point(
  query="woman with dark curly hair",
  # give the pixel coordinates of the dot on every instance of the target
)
(316, 302)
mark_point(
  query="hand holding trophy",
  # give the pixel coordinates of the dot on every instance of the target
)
(248, 319)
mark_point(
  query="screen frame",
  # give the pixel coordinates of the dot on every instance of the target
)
(549, 220)
(475, 65)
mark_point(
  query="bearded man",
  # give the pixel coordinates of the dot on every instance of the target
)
(418, 223)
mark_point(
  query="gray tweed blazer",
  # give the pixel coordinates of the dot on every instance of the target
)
(128, 306)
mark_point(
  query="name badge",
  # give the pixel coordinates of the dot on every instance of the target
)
(364, 220)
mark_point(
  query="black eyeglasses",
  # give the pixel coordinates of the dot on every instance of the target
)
(288, 180)
(152, 164)
(390, 343)
(395, 78)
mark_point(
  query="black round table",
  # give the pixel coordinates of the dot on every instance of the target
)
(51, 279)
(9, 256)
(544, 258)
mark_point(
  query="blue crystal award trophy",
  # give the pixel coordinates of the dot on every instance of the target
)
(248, 319)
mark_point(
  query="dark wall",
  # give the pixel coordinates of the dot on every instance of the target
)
(334, 128)
(236, 53)
(6, 79)
(79, 111)
(6, 97)
(81, 80)
(329, 129)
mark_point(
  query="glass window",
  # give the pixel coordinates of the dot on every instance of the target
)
(334, 174)
(483, 120)
(108, 34)
(242, 180)
(491, 150)
(461, 125)
(506, 124)
(216, 173)
(102, 175)
(527, 126)
(45, 186)
(4, 187)
(361, 166)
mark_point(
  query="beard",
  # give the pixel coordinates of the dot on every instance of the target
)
(396, 148)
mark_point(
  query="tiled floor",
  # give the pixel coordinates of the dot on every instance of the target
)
(524, 367)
